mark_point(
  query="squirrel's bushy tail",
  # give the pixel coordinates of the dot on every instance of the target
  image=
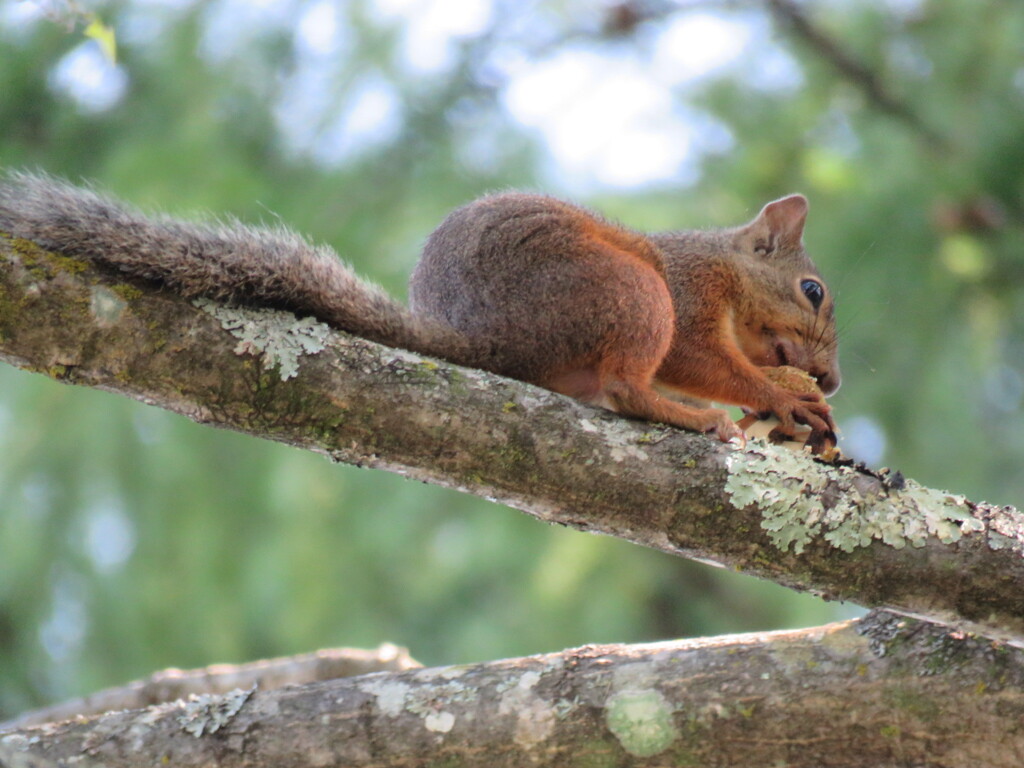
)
(225, 261)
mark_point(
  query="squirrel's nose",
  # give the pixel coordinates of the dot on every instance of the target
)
(828, 381)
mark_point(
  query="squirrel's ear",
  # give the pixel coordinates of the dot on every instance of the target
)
(785, 218)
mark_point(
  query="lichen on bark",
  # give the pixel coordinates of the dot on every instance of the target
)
(801, 500)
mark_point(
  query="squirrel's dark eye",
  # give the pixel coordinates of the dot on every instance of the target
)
(814, 291)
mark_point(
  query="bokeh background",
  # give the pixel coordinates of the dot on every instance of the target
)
(132, 539)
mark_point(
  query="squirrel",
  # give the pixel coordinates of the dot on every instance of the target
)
(652, 326)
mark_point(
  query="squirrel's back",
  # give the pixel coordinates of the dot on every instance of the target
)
(538, 285)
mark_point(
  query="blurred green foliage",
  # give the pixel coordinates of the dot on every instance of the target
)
(132, 540)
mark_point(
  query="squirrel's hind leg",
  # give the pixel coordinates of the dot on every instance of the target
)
(582, 384)
(632, 396)
(622, 388)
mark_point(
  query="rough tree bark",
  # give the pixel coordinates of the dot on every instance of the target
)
(841, 532)
(879, 692)
(219, 679)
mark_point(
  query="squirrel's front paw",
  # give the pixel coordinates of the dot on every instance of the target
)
(792, 409)
(793, 398)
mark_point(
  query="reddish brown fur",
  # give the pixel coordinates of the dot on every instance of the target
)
(548, 292)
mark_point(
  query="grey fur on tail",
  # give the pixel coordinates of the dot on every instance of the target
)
(224, 261)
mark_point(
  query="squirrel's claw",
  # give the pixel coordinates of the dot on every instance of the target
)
(821, 442)
(725, 429)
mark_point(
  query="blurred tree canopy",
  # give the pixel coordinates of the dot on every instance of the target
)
(132, 540)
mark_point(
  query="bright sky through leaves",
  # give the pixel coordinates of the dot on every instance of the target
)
(607, 117)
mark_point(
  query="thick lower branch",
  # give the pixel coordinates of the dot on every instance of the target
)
(836, 531)
(923, 697)
(268, 674)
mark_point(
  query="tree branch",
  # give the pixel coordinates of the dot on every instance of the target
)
(839, 532)
(780, 698)
(267, 674)
(860, 75)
